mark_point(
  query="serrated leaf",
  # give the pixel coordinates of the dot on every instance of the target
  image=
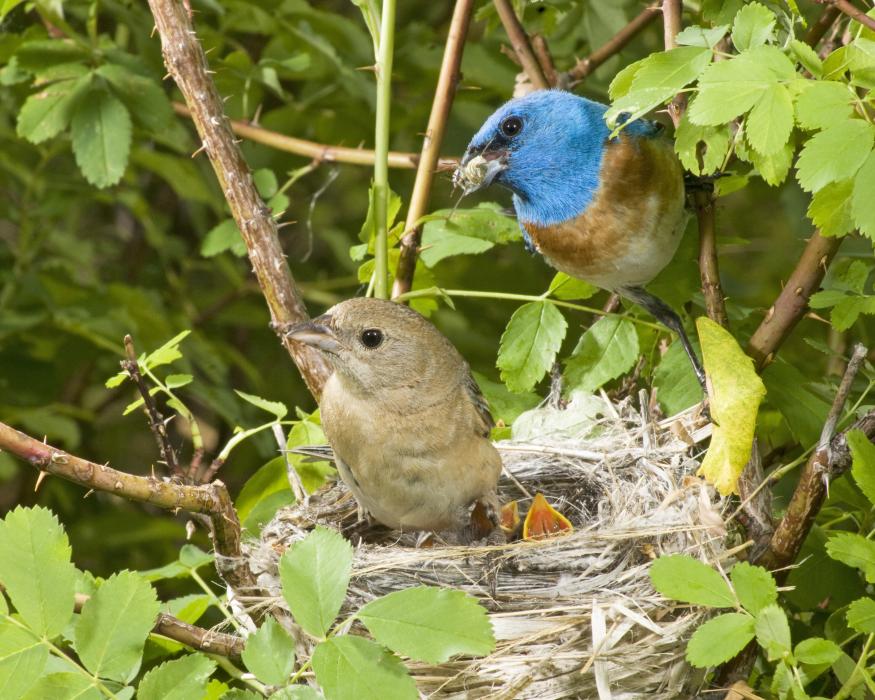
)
(773, 632)
(429, 624)
(816, 650)
(773, 168)
(353, 668)
(754, 586)
(753, 26)
(465, 231)
(863, 462)
(707, 37)
(166, 354)
(564, 287)
(701, 149)
(720, 639)
(297, 692)
(315, 573)
(63, 686)
(23, 658)
(823, 103)
(48, 112)
(270, 653)
(42, 53)
(845, 313)
(770, 122)
(179, 679)
(681, 577)
(277, 408)
(622, 81)
(855, 551)
(223, 236)
(607, 349)
(144, 98)
(36, 570)
(830, 208)
(529, 344)
(101, 130)
(735, 392)
(807, 57)
(834, 154)
(863, 197)
(861, 615)
(114, 625)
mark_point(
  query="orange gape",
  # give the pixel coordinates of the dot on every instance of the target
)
(543, 520)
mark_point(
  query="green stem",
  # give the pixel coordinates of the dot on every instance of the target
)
(241, 436)
(852, 682)
(381, 148)
(304, 667)
(237, 674)
(214, 599)
(197, 441)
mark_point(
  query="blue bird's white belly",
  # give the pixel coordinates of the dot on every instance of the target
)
(632, 227)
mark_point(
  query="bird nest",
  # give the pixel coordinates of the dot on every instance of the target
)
(575, 616)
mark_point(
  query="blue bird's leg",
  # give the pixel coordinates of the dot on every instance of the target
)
(530, 247)
(668, 318)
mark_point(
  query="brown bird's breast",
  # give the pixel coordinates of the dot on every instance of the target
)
(632, 228)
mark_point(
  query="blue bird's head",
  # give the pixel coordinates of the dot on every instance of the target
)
(547, 149)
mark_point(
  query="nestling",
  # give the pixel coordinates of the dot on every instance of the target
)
(407, 423)
(607, 211)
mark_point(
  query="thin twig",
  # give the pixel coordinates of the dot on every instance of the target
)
(211, 499)
(319, 152)
(851, 11)
(792, 302)
(715, 306)
(295, 482)
(672, 11)
(186, 62)
(585, 67)
(444, 93)
(545, 59)
(520, 42)
(156, 421)
(817, 30)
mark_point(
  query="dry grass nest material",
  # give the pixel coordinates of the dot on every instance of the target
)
(575, 616)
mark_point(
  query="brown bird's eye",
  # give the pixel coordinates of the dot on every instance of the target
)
(511, 126)
(371, 337)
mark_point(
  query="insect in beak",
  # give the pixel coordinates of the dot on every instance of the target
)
(477, 171)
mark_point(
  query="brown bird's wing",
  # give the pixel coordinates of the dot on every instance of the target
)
(486, 423)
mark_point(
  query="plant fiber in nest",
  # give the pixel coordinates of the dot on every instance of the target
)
(575, 616)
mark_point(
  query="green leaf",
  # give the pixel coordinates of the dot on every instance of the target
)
(754, 586)
(607, 349)
(369, 227)
(505, 405)
(676, 385)
(707, 37)
(753, 26)
(429, 624)
(47, 113)
(773, 632)
(296, 692)
(270, 653)
(277, 408)
(830, 208)
(736, 391)
(63, 686)
(265, 182)
(863, 462)
(622, 81)
(861, 615)
(36, 55)
(701, 149)
(773, 168)
(529, 344)
(175, 381)
(166, 354)
(680, 577)
(223, 236)
(864, 196)
(36, 570)
(823, 103)
(807, 57)
(816, 650)
(180, 679)
(353, 668)
(144, 98)
(854, 550)
(101, 129)
(23, 659)
(114, 625)
(465, 232)
(720, 639)
(315, 573)
(834, 154)
(789, 391)
(564, 287)
(770, 122)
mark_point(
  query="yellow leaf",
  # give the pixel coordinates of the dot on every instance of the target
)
(735, 391)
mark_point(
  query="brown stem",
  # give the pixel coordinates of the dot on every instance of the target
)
(672, 11)
(545, 59)
(156, 420)
(520, 42)
(829, 459)
(792, 302)
(186, 62)
(585, 67)
(715, 305)
(319, 151)
(448, 79)
(211, 499)
(817, 30)
(192, 636)
(851, 11)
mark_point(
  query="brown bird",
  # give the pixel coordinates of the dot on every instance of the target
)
(407, 423)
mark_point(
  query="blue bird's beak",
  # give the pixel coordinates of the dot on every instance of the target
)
(316, 333)
(478, 170)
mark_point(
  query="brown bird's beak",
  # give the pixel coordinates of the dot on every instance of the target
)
(316, 333)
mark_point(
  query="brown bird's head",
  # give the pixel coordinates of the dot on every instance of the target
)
(379, 345)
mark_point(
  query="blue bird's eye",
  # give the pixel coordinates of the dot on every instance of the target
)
(511, 126)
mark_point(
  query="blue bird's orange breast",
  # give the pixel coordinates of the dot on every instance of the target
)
(633, 225)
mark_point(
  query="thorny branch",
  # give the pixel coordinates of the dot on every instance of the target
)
(444, 93)
(520, 42)
(186, 62)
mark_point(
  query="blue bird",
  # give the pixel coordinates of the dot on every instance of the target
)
(607, 211)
